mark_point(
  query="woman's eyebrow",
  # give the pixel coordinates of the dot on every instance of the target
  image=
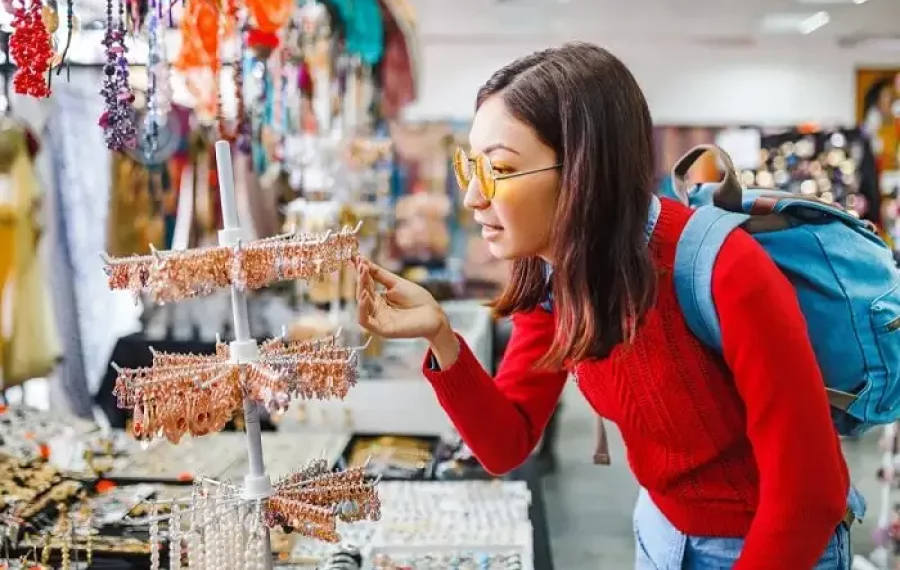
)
(497, 146)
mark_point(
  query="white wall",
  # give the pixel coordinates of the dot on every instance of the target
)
(773, 86)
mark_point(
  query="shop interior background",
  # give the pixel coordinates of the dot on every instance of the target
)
(742, 73)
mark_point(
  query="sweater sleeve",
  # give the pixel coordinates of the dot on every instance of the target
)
(803, 476)
(502, 419)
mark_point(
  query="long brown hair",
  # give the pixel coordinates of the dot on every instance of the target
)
(585, 104)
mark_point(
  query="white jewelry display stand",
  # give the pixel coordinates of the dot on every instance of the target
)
(244, 350)
(275, 373)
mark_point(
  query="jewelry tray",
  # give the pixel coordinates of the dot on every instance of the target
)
(224, 456)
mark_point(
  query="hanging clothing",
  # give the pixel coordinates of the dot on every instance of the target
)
(91, 316)
(7, 249)
(32, 348)
(258, 202)
(398, 88)
(134, 221)
(363, 28)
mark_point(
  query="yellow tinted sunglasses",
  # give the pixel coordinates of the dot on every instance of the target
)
(466, 168)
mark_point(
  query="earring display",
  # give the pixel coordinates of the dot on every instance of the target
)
(479, 525)
(170, 276)
(198, 394)
(455, 514)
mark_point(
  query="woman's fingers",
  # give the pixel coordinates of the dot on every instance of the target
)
(373, 307)
(396, 298)
(382, 275)
(365, 282)
(360, 284)
(363, 308)
(366, 313)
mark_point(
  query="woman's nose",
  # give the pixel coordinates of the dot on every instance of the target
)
(474, 198)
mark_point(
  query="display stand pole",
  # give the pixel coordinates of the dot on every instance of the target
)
(244, 350)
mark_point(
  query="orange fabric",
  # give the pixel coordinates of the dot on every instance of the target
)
(269, 16)
(200, 35)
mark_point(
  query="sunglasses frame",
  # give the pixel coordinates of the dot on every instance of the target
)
(494, 177)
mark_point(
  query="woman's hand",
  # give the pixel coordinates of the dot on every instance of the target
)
(402, 310)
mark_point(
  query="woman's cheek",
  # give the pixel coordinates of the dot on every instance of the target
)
(504, 190)
(518, 203)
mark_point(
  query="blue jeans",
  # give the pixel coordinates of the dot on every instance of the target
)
(660, 546)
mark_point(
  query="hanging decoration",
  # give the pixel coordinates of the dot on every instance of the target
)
(51, 20)
(163, 75)
(118, 120)
(230, 22)
(153, 119)
(203, 30)
(31, 48)
(34, 47)
(269, 16)
(262, 44)
(266, 19)
(242, 127)
(331, 66)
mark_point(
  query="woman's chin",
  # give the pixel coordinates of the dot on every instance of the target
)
(501, 251)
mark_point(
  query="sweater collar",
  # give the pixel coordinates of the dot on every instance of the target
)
(652, 219)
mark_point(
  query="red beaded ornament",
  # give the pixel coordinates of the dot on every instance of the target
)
(31, 49)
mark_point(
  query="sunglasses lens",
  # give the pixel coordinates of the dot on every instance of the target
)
(485, 173)
(462, 167)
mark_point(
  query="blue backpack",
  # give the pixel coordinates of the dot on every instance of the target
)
(845, 276)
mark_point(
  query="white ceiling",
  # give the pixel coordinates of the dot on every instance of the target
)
(664, 21)
(642, 19)
(708, 24)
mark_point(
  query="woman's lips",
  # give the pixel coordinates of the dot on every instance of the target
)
(490, 232)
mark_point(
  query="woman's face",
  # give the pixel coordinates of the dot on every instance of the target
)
(517, 222)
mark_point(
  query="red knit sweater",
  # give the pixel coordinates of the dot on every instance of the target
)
(740, 446)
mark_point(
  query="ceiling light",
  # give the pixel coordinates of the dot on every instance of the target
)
(793, 23)
(830, 2)
(813, 23)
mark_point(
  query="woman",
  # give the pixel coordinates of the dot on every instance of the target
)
(737, 458)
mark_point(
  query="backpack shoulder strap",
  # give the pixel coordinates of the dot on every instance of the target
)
(695, 257)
